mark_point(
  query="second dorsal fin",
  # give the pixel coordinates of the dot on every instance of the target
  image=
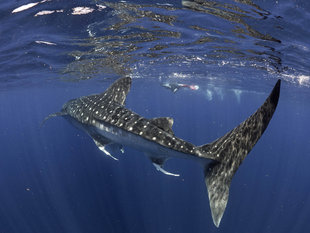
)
(164, 123)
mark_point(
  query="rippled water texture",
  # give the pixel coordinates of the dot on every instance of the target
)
(160, 39)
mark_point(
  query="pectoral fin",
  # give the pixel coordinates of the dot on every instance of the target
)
(159, 168)
(103, 149)
(158, 164)
(101, 142)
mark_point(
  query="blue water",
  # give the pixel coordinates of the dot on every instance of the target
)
(54, 179)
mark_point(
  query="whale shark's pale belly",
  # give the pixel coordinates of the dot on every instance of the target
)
(123, 137)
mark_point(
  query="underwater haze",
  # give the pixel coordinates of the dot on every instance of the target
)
(208, 65)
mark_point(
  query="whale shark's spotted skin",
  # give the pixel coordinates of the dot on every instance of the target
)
(96, 109)
(107, 121)
(87, 112)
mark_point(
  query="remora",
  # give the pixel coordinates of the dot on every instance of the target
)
(104, 117)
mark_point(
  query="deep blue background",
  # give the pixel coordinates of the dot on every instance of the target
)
(54, 179)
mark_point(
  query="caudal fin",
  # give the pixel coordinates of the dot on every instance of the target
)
(230, 150)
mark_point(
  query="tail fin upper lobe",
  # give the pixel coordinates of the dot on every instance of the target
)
(230, 150)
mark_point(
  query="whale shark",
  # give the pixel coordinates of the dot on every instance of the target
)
(107, 121)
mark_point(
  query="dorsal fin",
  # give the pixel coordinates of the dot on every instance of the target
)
(118, 91)
(164, 123)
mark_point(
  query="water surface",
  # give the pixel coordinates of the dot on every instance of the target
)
(54, 179)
